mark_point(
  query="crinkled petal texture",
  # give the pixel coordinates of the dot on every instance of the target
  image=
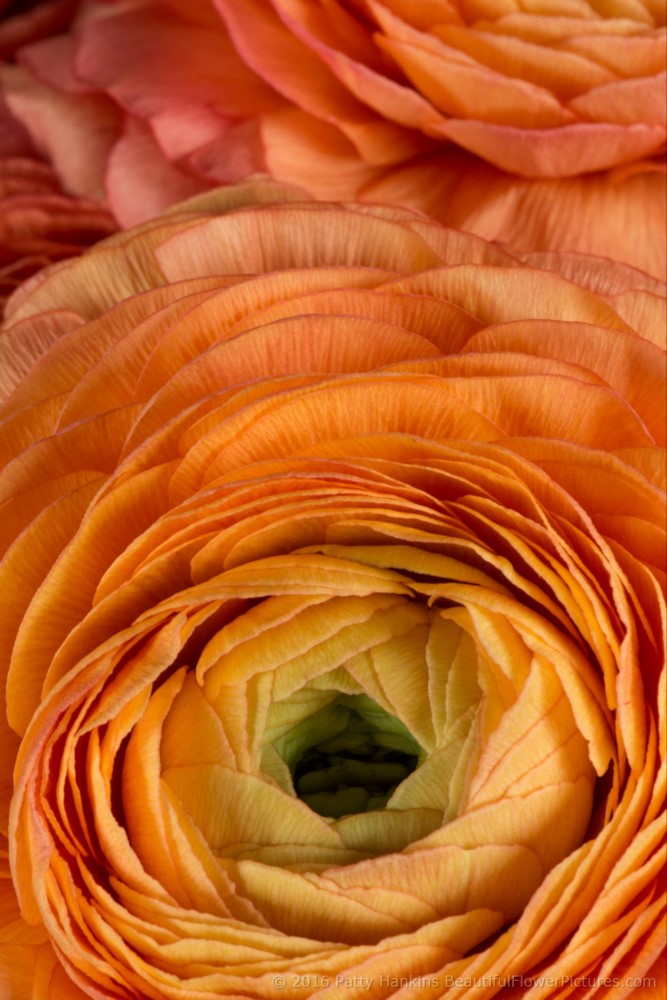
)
(154, 101)
(333, 625)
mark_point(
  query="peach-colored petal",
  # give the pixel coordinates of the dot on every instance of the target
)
(58, 123)
(564, 341)
(456, 88)
(626, 55)
(641, 100)
(271, 51)
(564, 151)
(617, 214)
(156, 183)
(563, 74)
(26, 956)
(142, 79)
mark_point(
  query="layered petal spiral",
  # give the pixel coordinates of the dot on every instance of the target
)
(333, 628)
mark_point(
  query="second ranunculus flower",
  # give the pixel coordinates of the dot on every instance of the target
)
(540, 90)
(332, 583)
(541, 126)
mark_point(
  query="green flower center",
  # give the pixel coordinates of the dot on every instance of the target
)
(348, 757)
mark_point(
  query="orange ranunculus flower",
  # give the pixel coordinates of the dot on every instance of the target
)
(548, 104)
(333, 613)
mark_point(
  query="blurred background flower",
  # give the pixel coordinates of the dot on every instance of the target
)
(39, 222)
(333, 628)
(541, 126)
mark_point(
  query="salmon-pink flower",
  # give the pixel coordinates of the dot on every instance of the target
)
(26, 21)
(333, 614)
(515, 121)
(39, 222)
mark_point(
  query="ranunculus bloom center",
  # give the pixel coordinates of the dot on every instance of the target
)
(349, 757)
(348, 693)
